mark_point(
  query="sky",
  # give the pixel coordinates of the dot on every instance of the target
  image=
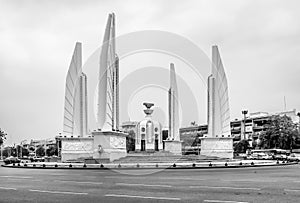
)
(258, 41)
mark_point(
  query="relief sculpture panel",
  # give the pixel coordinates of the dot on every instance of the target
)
(77, 146)
(117, 142)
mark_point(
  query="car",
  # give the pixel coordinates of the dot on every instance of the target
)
(242, 155)
(266, 156)
(36, 159)
(260, 156)
(11, 160)
(294, 157)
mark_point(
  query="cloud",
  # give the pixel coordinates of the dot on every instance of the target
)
(258, 41)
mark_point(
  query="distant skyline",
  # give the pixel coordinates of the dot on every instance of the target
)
(258, 43)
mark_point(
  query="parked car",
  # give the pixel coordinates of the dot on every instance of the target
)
(294, 157)
(11, 160)
(36, 159)
(280, 156)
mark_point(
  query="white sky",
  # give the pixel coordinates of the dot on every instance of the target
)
(258, 41)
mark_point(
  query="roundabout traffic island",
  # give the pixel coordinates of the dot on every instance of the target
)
(140, 166)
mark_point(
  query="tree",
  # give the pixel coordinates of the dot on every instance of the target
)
(52, 151)
(280, 132)
(2, 136)
(254, 144)
(130, 141)
(6, 152)
(40, 151)
(241, 146)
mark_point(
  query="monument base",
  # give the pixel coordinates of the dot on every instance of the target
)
(219, 147)
(109, 145)
(76, 148)
(173, 146)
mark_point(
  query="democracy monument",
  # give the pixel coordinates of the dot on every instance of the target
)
(107, 142)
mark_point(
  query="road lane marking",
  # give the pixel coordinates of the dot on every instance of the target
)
(143, 197)
(222, 201)
(78, 182)
(23, 177)
(59, 192)
(291, 190)
(63, 174)
(145, 185)
(20, 179)
(8, 188)
(224, 187)
(245, 180)
(158, 177)
(175, 178)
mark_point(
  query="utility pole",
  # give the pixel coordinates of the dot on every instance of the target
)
(298, 114)
(244, 112)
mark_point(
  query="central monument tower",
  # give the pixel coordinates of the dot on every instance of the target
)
(109, 143)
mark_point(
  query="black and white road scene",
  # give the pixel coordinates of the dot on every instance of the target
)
(149, 101)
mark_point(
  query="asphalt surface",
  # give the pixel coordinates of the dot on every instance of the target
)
(263, 184)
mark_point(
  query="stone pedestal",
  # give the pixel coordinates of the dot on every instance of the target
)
(173, 146)
(219, 147)
(76, 148)
(109, 145)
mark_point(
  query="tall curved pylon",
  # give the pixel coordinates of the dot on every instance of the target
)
(218, 100)
(75, 121)
(108, 87)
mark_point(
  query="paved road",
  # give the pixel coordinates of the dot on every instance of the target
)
(266, 184)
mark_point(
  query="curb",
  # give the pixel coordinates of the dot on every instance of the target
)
(141, 166)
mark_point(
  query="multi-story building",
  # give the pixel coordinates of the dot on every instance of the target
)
(249, 128)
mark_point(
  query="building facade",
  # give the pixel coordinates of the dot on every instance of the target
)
(249, 129)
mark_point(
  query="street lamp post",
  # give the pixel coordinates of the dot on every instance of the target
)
(298, 114)
(1, 152)
(244, 112)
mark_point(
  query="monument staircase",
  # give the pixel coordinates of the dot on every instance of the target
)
(151, 157)
(164, 157)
